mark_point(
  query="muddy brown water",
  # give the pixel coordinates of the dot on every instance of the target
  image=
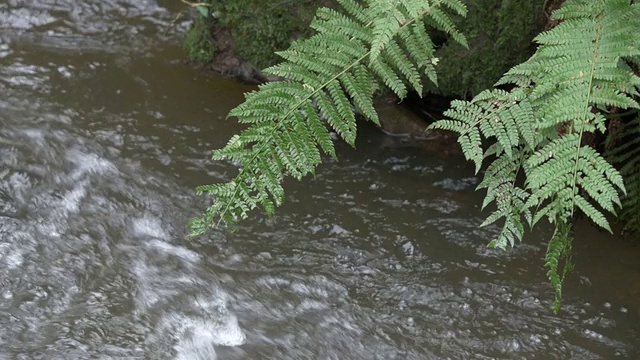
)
(104, 133)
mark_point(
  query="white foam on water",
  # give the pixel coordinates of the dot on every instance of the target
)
(71, 199)
(10, 256)
(149, 226)
(181, 252)
(193, 329)
(197, 337)
(23, 18)
(193, 350)
(5, 50)
(223, 323)
(188, 312)
(89, 164)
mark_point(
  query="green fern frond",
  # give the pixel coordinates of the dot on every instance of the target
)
(505, 116)
(330, 77)
(500, 182)
(565, 165)
(558, 260)
(444, 22)
(561, 94)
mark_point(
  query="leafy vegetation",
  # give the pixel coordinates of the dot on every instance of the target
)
(531, 131)
(198, 41)
(384, 43)
(499, 34)
(257, 30)
(624, 152)
(559, 96)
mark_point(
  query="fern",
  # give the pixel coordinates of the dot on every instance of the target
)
(626, 154)
(558, 260)
(580, 67)
(330, 76)
(539, 164)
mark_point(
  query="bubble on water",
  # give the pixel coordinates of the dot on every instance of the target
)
(623, 310)
(7, 294)
(607, 305)
(515, 345)
(535, 338)
(5, 50)
(408, 248)
(265, 255)
(411, 321)
(338, 230)
(592, 334)
(64, 71)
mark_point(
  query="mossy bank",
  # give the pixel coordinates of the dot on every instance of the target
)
(240, 37)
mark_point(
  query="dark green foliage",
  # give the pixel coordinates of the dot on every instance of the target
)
(624, 152)
(198, 41)
(499, 33)
(339, 67)
(580, 69)
(261, 28)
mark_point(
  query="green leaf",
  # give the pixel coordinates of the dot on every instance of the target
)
(203, 10)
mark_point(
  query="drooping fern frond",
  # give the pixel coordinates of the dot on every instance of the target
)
(500, 182)
(507, 119)
(558, 260)
(580, 68)
(329, 77)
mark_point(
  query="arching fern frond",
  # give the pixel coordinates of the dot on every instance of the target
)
(329, 77)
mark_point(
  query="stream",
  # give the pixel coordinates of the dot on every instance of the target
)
(104, 134)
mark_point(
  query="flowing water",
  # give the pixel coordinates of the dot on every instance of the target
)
(104, 133)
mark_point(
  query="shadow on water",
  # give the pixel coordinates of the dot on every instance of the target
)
(104, 132)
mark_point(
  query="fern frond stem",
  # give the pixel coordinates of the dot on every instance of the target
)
(584, 117)
(297, 106)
